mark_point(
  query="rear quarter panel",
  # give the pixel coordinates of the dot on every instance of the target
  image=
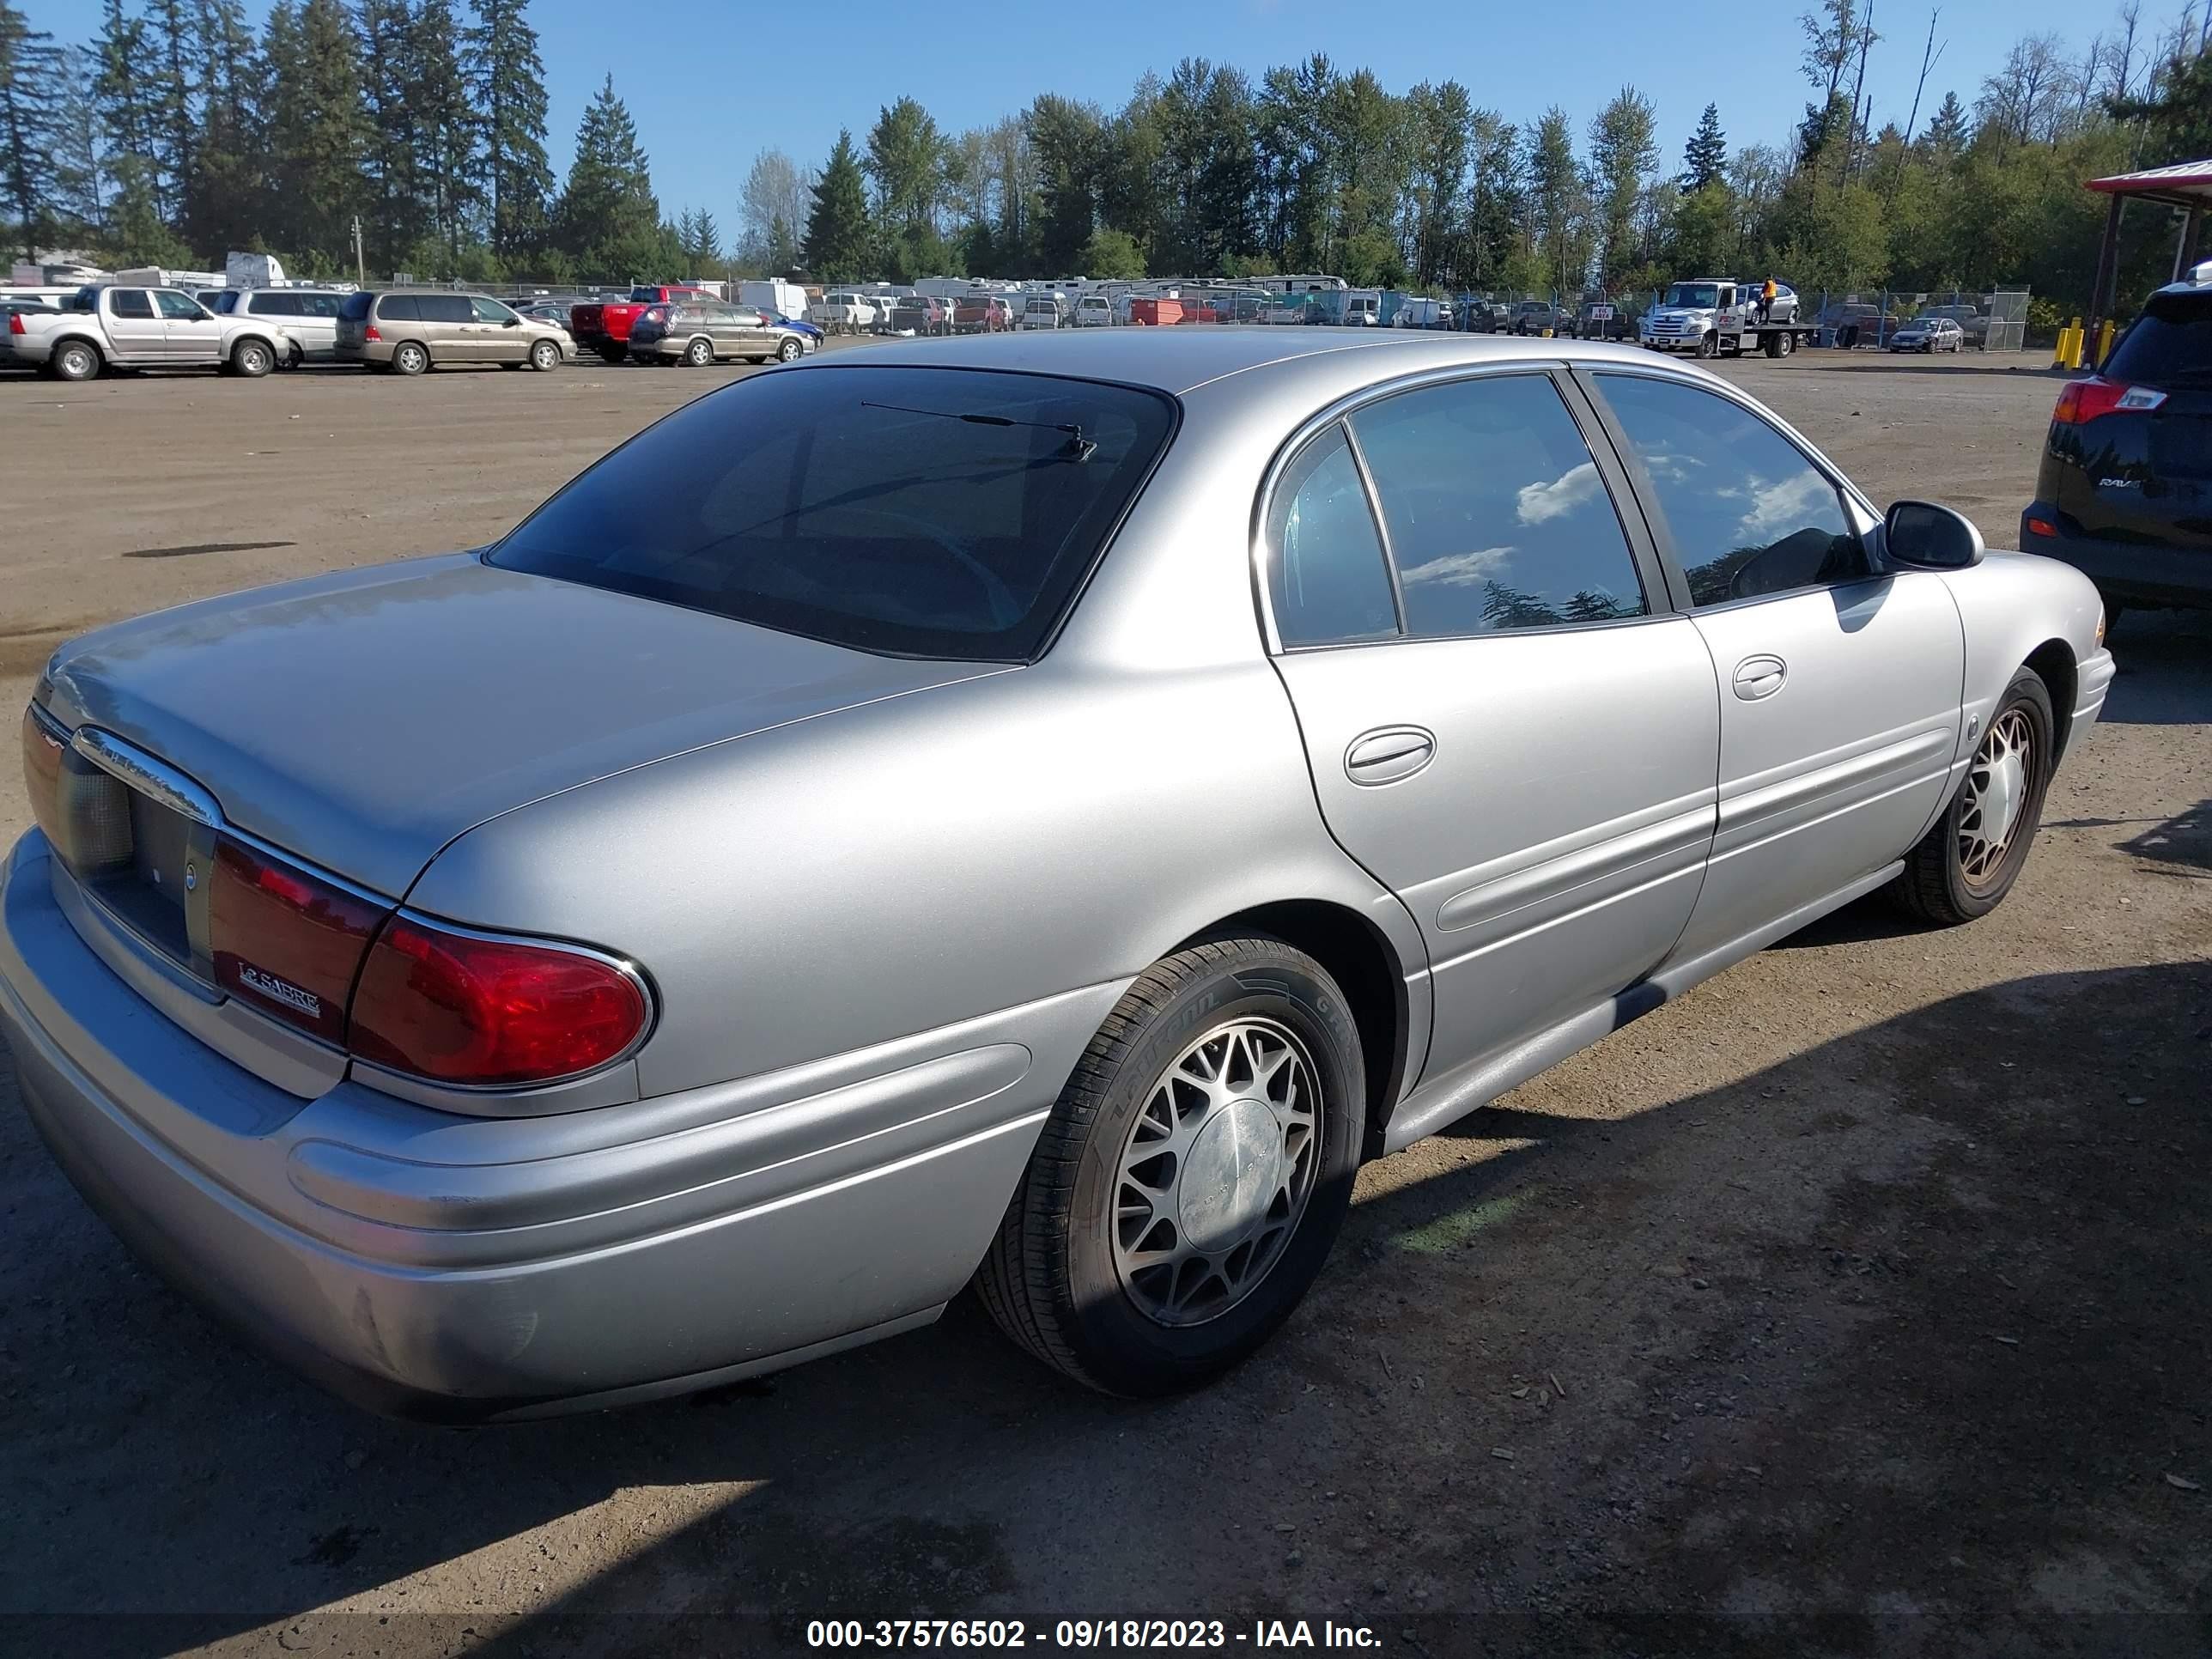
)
(919, 861)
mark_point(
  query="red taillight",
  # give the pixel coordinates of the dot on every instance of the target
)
(368, 332)
(464, 1008)
(2082, 401)
(2041, 527)
(286, 942)
(15, 322)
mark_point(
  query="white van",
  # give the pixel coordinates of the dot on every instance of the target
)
(784, 299)
(1363, 308)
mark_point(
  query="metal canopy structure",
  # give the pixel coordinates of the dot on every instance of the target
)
(2185, 185)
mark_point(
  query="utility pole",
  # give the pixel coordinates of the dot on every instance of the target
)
(360, 267)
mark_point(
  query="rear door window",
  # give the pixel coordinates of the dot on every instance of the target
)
(1326, 574)
(1498, 517)
(130, 302)
(918, 512)
(445, 308)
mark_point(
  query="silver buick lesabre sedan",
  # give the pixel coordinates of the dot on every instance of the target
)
(1037, 810)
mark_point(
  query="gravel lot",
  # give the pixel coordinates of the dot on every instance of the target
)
(1857, 1303)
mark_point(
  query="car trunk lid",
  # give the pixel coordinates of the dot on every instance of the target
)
(362, 720)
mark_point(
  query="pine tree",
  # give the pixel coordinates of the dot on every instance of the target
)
(170, 90)
(387, 90)
(1948, 133)
(319, 133)
(607, 219)
(837, 238)
(446, 168)
(507, 84)
(77, 166)
(223, 193)
(30, 105)
(1705, 158)
(134, 221)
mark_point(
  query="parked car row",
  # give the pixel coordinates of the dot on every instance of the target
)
(402, 331)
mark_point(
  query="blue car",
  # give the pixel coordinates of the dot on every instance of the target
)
(812, 333)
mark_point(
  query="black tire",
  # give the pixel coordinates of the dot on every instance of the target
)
(1050, 1279)
(253, 359)
(1934, 886)
(1708, 346)
(410, 357)
(1787, 343)
(700, 354)
(1774, 345)
(545, 356)
(790, 351)
(75, 360)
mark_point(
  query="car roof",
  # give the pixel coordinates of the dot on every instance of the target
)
(1181, 359)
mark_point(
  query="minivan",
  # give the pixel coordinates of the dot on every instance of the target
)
(405, 332)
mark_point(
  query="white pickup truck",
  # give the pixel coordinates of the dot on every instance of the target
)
(1712, 316)
(839, 312)
(113, 326)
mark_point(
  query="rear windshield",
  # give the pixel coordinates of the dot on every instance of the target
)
(356, 306)
(2170, 344)
(917, 512)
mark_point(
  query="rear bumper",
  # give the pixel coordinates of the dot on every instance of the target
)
(2131, 572)
(372, 352)
(430, 1266)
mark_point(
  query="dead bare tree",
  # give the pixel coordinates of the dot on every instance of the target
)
(1859, 112)
(1928, 55)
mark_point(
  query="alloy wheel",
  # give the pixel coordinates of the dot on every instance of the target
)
(1216, 1172)
(1998, 785)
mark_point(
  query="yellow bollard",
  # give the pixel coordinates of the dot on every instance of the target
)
(2104, 341)
(2058, 356)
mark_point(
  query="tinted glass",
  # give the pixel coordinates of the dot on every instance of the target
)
(1749, 513)
(445, 308)
(357, 307)
(1498, 516)
(399, 308)
(225, 302)
(1329, 581)
(490, 311)
(940, 512)
(276, 305)
(2170, 345)
(130, 302)
(317, 305)
(179, 307)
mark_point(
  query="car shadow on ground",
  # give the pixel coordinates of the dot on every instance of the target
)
(1894, 1347)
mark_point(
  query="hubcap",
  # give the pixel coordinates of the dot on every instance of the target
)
(1217, 1171)
(1996, 789)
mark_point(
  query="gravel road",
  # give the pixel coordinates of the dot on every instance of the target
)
(1856, 1304)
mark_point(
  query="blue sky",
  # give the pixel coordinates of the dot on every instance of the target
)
(703, 115)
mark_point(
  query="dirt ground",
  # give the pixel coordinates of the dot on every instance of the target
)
(1860, 1303)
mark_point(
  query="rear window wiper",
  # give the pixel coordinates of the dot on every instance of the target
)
(1076, 448)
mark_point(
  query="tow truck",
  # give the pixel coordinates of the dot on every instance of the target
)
(1714, 315)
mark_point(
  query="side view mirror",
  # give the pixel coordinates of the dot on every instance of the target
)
(512, 322)
(1930, 538)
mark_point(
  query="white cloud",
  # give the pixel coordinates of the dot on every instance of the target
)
(1541, 502)
(1458, 570)
(1791, 504)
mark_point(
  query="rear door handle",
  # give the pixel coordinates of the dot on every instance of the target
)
(1759, 677)
(1388, 754)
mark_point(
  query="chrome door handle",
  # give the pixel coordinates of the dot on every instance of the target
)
(1759, 677)
(1388, 754)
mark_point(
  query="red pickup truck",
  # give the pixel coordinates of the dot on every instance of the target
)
(603, 327)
